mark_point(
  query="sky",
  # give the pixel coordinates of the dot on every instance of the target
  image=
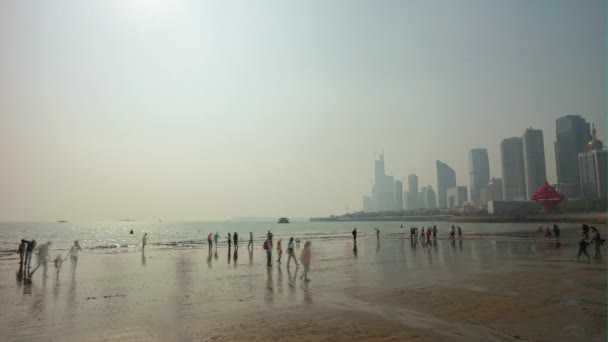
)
(212, 110)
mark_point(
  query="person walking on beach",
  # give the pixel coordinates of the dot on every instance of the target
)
(268, 249)
(28, 254)
(215, 238)
(459, 232)
(279, 250)
(235, 237)
(547, 232)
(377, 233)
(585, 232)
(305, 258)
(210, 241)
(422, 234)
(229, 241)
(582, 249)
(269, 236)
(452, 233)
(434, 232)
(291, 254)
(43, 257)
(556, 231)
(73, 255)
(428, 237)
(58, 262)
(597, 243)
(250, 240)
(144, 241)
(21, 251)
(354, 236)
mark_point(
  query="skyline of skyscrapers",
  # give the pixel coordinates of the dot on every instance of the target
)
(427, 199)
(446, 178)
(572, 135)
(479, 172)
(513, 171)
(593, 169)
(456, 196)
(534, 160)
(412, 192)
(398, 195)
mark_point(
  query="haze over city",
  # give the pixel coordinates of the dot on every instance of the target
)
(214, 110)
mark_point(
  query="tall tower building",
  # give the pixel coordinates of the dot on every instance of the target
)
(378, 192)
(513, 171)
(427, 198)
(534, 160)
(398, 203)
(573, 134)
(412, 199)
(593, 169)
(446, 178)
(479, 172)
(389, 195)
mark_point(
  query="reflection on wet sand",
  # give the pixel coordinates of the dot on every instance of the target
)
(209, 258)
(143, 257)
(250, 256)
(269, 297)
(236, 256)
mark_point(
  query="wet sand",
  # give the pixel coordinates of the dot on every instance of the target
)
(479, 289)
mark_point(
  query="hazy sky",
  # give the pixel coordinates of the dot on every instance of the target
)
(180, 109)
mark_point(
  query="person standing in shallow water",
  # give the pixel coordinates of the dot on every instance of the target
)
(378, 233)
(28, 254)
(597, 243)
(229, 241)
(434, 232)
(354, 235)
(250, 240)
(556, 231)
(279, 250)
(21, 251)
(209, 241)
(291, 253)
(235, 237)
(582, 249)
(305, 258)
(73, 255)
(268, 249)
(144, 241)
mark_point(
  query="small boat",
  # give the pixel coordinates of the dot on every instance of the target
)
(283, 220)
(62, 221)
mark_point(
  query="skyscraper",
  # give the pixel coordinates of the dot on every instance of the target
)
(592, 169)
(534, 160)
(479, 171)
(412, 200)
(398, 202)
(573, 134)
(457, 195)
(389, 193)
(446, 178)
(378, 193)
(427, 198)
(513, 171)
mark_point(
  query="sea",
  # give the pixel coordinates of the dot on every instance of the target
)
(109, 236)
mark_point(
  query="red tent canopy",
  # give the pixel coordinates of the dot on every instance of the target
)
(548, 197)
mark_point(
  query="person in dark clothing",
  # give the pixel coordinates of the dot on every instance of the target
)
(582, 249)
(268, 249)
(21, 251)
(28, 253)
(229, 241)
(597, 243)
(556, 231)
(235, 237)
(585, 232)
(355, 234)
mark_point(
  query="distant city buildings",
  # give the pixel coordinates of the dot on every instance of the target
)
(534, 160)
(572, 135)
(427, 199)
(456, 196)
(592, 169)
(446, 178)
(398, 196)
(513, 170)
(479, 172)
(383, 191)
(368, 204)
(412, 194)
(492, 191)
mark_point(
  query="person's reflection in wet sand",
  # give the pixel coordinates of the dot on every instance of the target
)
(355, 250)
(453, 243)
(292, 280)
(143, 257)
(378, 246)
(414, 243)
(250, 255)
(209, 258)
(279, 279)
(269, 286)
(20, 273)
(229, 255)
(429, 255)
(307, 292)
(215, 255)
(460, 244)
(71, 304)
(235, 256)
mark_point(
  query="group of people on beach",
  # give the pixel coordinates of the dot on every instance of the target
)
(548, 232)
(586, 240)
(305, 255)
(26, 250)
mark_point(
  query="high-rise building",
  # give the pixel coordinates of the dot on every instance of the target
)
(378, 193)
(593, 168)
(446, 178)
(398, 202)
(412, 199)
(479, 171)
(573, 134)
(389, 193)
(368, 204)
(457, 195)
(534, 160)
(492, 191)
(427, 198)
(513, 170)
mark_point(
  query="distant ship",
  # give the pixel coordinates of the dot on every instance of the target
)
(283, 220)
(62, 221)
(127, 220)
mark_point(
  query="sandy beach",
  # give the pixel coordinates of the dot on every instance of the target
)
(488, 288)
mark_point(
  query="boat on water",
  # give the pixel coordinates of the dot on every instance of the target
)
(283, 220)
(62, 221)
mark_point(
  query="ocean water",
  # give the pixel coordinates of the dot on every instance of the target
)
(115, 235)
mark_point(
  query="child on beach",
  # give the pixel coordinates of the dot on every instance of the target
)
(305, 258)
(279, 250)
(58, 262)
(547, 232)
